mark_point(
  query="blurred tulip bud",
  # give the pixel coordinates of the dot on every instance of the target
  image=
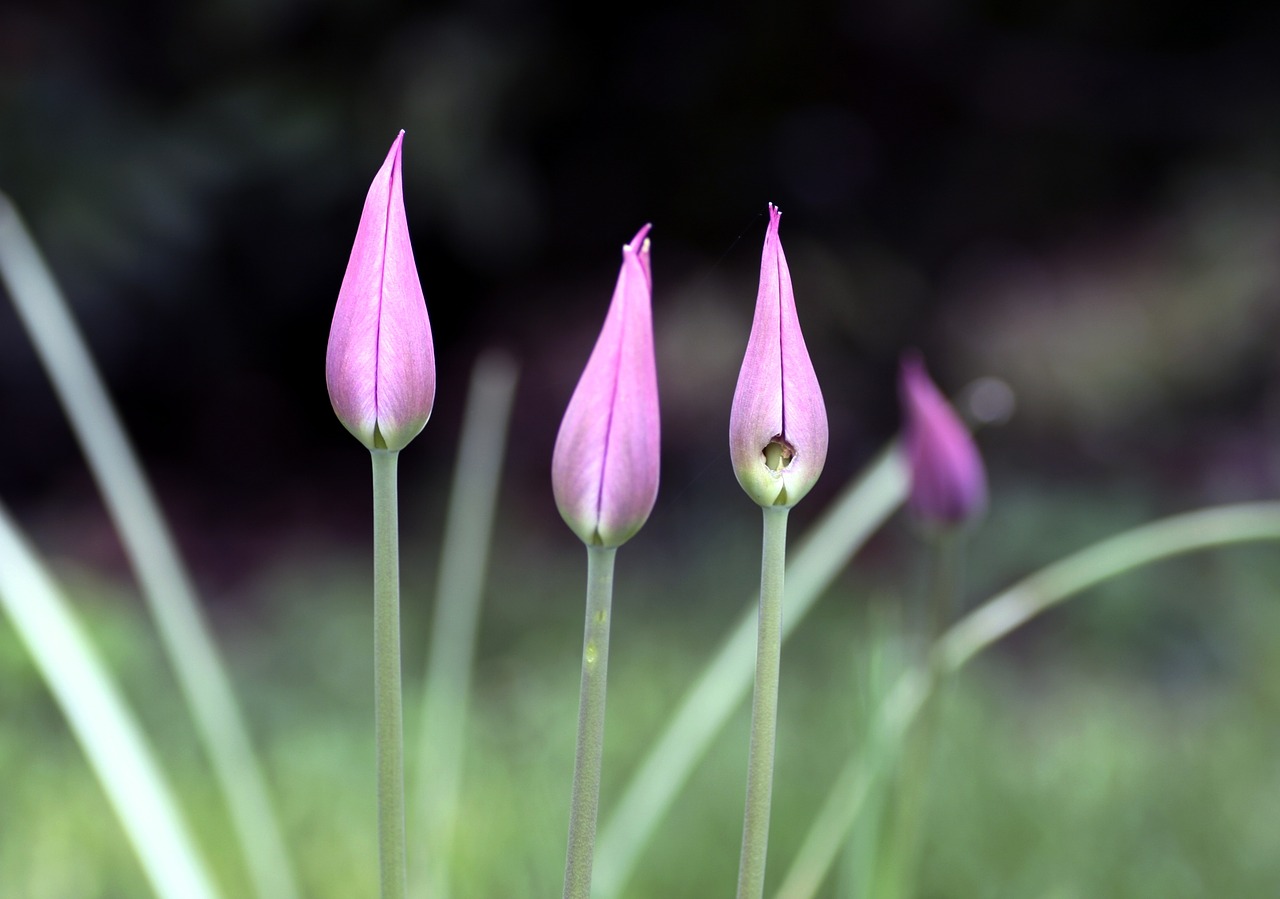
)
(948, 483)
(381, 365)
(778, 424)
(604, 470)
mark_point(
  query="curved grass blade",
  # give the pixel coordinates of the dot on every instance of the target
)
(101, 721)
(166, 586)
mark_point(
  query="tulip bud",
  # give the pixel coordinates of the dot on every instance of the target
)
(948, 483)
(778, 424)
(604, 470)
(381, 365)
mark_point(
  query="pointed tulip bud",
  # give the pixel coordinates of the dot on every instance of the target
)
(604, 470)
(948, 483)
(381, 365)
(778, 425)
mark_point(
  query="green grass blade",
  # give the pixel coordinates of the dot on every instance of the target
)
(994, 619)
(171, 598)
(103, 724)
(464, 559)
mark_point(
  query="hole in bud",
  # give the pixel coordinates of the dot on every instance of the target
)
(778, 454)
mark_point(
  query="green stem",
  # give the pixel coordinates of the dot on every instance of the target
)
(861, 508)
(884, 659)
(946, 585)
(585, 804)
(946, 576)
(1203, 529)
(764, 707)
(388, 717)
(459, 591)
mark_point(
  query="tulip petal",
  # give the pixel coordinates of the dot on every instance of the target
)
(777, 396)
(948, 482)
(380, 366)
(604, 469)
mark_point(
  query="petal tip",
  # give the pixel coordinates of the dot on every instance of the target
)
(639, 243)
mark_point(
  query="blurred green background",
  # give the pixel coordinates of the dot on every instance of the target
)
(1082, 199)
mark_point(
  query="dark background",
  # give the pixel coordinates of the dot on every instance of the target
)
(1080, 198)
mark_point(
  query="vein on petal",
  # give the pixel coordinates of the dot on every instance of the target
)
(382, 285)
(782, 320)
(613, 401)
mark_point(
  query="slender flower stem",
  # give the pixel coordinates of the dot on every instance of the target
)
(463, 561)
(946, 551)
(590, 751)
(860, 509)
(946, 580)
(388, 717)
(764, 706)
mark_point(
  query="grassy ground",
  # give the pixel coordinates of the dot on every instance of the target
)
(1124, 747)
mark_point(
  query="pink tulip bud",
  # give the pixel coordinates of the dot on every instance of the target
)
(604, 470)
(778, 425)
(381, 366)
(948, 483)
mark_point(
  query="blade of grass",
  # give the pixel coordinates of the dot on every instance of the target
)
(170, 596)
(999, 616)
(459, 590)
(824, 551)
(101, 721)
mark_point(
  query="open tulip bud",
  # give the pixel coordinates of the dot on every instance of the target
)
(948, 483)
(604, 470)
(381, 365)
(778, 425)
